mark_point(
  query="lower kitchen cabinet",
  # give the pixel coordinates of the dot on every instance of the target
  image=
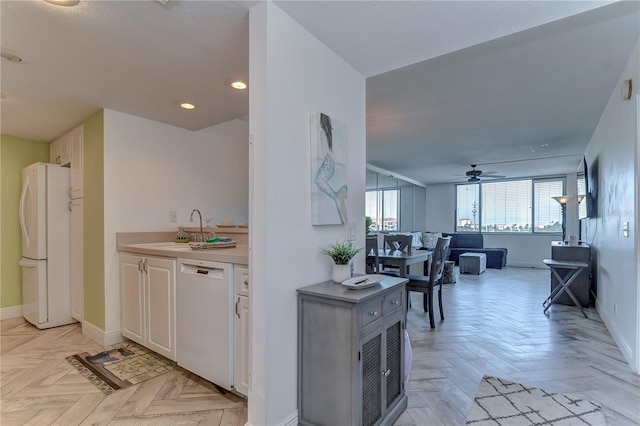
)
(148, 302)
(76, 260)
(351, 354)
(241, 330)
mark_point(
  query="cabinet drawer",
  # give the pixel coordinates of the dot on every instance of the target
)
(370, 312)
(392, 302)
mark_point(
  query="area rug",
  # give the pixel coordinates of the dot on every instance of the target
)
(501, 402)
(124, 365)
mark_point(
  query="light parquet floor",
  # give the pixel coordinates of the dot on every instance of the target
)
(39, 387)
(493, 325)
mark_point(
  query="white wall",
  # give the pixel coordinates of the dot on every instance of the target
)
(614, 145)
(151, 168)
(301, 75)
(440, 201)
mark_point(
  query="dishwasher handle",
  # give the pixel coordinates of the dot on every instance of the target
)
(204, 271)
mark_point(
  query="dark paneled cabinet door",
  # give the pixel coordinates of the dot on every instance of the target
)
(372, 380)
(394, 361)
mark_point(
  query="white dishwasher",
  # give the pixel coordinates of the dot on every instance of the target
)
(204, 324)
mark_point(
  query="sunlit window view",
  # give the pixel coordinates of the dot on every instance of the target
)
(383, 208)
(519, 206)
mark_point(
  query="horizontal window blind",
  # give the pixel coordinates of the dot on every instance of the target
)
(506, 206)
(513, 206)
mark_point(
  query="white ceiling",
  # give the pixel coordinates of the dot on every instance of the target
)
(450, 83)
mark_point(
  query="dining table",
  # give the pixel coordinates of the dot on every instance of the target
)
(401, 259)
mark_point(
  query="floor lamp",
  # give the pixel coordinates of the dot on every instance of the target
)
(563, 200)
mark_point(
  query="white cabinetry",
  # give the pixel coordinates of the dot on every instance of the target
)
(67, 151)
(241, 330)
(75, 139)
(76, 259)
(60, 151)
(148, 302)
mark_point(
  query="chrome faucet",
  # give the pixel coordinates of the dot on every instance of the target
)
(191, 220)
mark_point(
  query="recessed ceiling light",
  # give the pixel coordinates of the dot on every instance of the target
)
(11, 58)
(240, 85)
(187, 105)
(63, 2)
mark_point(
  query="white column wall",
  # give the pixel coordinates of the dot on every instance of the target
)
(613, 145)
(292, 74)
(151, 168)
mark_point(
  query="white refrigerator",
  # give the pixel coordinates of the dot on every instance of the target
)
(44, 221)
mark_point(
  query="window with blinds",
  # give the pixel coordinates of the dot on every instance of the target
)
(506, 206)
(547, 211)
(515, 206)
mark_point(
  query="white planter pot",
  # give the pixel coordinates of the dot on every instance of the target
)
(341, 273)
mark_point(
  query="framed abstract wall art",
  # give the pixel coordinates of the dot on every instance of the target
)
(328, 170)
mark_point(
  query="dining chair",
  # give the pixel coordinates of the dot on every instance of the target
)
(372, 263)
(398, 242)
(426, 284)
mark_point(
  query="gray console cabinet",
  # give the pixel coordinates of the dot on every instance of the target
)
(351, 354)
(580, 287)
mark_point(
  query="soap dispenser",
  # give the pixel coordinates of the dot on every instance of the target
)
(182, 236)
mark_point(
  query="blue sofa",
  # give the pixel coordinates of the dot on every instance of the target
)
(472, 242)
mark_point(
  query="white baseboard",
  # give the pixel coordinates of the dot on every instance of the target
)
(10, 312)
(100, 336)
(624, 347)
(291, 420)
(526, 264)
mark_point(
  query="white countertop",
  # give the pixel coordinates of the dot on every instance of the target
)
(167, 248)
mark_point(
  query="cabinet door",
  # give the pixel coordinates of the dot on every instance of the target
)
(54, 152)
(132, 298)
(161, 306)
(372, 374)
(60, 150)
(241, 345)
(394, 357)
(75, 142)
(76, 260)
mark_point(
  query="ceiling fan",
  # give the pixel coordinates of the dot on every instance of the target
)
(474, 175)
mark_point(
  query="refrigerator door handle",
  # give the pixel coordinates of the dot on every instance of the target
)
(28, 263)
(25, 189)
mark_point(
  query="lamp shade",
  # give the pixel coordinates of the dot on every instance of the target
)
(564, 199)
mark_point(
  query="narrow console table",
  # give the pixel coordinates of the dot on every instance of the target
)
(581, 285)
(351, 354)
(565, 281)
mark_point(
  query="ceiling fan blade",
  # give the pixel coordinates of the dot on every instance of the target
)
(492, 177)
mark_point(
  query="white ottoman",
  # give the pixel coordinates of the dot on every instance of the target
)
(473, 263)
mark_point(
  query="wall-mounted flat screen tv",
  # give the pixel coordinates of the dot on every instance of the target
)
(586, 189)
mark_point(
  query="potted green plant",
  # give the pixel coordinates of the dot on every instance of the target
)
(367, 224)
(341, 253)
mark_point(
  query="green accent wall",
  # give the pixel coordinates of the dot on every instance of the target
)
(15, 155)
(93, 227)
